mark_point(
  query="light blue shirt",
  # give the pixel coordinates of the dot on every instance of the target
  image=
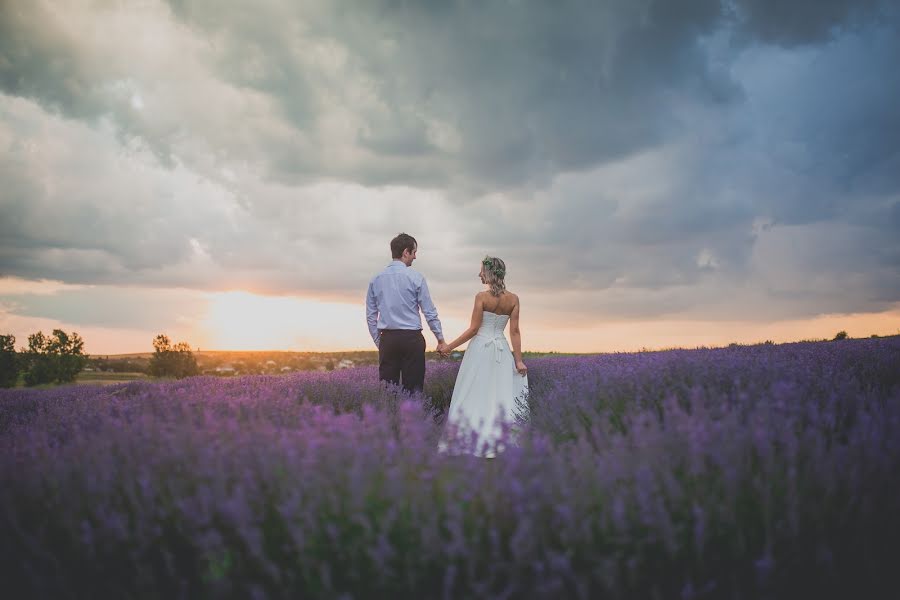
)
(393, 301)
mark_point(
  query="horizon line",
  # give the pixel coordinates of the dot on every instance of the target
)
(642, 349)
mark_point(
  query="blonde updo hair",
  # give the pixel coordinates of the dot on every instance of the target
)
(494, 274)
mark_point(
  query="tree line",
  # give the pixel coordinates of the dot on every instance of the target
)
(59, 358)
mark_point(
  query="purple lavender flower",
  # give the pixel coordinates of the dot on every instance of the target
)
(748, 471)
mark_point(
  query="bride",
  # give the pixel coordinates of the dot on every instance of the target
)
(491, 376)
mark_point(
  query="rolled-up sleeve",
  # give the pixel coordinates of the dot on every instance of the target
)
(372, 314)
(429, 310)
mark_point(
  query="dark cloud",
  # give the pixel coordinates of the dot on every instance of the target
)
(479, 95)
(522, 90)
(40, 59)
(802, 22)
(473, 95)
(654, 157)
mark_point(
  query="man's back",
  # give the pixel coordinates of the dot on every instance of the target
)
(394, 298)
(393, 301)
(396, 291)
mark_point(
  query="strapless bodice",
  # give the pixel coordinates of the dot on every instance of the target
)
(492, 324)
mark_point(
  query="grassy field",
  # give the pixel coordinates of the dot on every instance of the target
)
(108, 378)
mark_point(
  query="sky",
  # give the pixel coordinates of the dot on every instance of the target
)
(654, 173)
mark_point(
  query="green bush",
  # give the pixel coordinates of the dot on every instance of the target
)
(57, 358)
(9, 363)
(172, 361)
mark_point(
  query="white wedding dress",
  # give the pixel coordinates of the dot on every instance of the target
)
(484, 397)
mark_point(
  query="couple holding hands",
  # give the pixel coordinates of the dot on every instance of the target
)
(491, 376)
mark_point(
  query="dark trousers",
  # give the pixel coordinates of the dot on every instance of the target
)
(401, 358)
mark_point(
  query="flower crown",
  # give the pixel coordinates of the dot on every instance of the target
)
(489, 264)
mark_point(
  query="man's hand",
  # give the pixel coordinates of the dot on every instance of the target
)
(443, 349)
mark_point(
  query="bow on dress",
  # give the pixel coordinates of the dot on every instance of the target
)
(497, 342)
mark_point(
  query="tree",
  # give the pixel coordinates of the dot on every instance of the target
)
(57, 358)
(840, 335)
(9, 363)
(172, 361)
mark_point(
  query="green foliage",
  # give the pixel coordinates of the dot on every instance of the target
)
(172, 361)
(9, 363)
(840, 335)
(57, 358)
(118, 365)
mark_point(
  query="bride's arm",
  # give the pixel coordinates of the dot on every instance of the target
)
(515, 335)
(469, 333)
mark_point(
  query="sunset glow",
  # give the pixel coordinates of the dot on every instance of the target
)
(244, 321)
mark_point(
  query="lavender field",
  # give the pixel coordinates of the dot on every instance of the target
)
(768, 471)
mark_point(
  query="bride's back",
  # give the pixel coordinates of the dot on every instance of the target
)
(500, 305)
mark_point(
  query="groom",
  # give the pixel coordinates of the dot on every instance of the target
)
(392, 310)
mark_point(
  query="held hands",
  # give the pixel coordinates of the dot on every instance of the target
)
(443, 349)
(521, 368)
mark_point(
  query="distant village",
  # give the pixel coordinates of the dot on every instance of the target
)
(232, 363)
(273, 366)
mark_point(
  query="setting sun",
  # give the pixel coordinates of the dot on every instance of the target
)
(241, 320)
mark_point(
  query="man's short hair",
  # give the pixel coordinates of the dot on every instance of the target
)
(402, 242)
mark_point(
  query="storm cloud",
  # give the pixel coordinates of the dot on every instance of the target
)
(637, 159)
